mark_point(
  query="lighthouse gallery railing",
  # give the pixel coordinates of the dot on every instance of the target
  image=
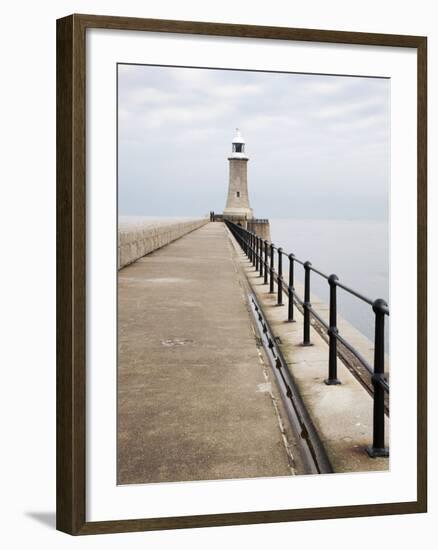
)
(261, 254)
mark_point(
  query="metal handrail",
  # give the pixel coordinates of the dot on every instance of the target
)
(319, 273)
(261, 254)
(357, 295)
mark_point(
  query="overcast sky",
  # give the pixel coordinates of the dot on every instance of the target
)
(318, 145)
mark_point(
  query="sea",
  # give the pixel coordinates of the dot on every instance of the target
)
(357, 251)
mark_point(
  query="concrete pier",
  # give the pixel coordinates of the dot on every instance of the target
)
(196, 398)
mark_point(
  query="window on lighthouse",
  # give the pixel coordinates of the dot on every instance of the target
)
(238, 147)
(237, 193)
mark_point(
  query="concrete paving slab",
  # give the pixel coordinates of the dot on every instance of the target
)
(194, 397)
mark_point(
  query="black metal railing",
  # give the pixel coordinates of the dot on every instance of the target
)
(261, 254)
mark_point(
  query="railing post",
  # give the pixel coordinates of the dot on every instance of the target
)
(280, 277)
(265, 281)
(257, 253)
(290, 290)
(378, 448)
(239, 237)
(261, 257)
(332, 379)
(306, 305)
(249, 246)
(253, 249)
(271, 270)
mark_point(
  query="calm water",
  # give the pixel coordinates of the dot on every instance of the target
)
(357, 251)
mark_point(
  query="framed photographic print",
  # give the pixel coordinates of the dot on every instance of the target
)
(241, 274)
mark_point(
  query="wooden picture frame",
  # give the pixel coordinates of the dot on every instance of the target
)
(71, 273)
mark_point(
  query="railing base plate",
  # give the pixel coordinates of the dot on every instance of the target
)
(377, 453)
(332, 382)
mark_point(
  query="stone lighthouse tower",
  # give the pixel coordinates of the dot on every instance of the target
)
(237, 208)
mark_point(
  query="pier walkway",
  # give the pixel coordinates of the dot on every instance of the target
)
(196, 400)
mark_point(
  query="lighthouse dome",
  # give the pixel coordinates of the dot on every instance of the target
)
(238, 138)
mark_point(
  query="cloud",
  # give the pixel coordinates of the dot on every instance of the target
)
(345, 110)
(305, 133)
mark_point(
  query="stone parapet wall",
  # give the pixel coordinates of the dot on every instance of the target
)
(261, 228)
(138, 237)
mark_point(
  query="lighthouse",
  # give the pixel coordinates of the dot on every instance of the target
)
(237, 207)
